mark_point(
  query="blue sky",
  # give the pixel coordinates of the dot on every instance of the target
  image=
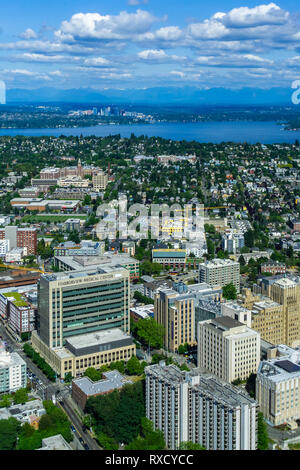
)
(148, 43)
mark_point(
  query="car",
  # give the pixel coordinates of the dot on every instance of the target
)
(86, 447)
(72, 428)
(81, 440)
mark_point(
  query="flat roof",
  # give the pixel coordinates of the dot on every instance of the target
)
(97, 338)
(115, 271)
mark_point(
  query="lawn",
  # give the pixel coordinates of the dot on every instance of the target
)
(52, 218)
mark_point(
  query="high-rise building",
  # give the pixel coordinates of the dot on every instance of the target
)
(100, 180)
(220, 272)
(277, 386)
(188, 406)
(12, 371)
(81, 302)
(177, 315)
(284, 293)
(20, 238)
(228, 348)
(232, 241)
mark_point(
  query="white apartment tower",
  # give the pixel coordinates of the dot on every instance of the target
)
(187, 406)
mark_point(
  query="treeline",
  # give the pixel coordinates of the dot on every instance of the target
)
(40, 362)
(116, 417)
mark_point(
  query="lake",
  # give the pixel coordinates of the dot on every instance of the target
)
(214, 132)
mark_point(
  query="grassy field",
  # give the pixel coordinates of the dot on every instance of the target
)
(32, 219)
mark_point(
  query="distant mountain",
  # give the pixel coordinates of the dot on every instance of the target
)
(154, 96)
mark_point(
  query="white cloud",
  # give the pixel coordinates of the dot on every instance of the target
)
(233, 61)
(97, 62)
(261, 15)
(209, 29)
(137, 2)
(159, 56)
(28, 34)
(92, 26)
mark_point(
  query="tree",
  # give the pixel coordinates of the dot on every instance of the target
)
(93, 374)
(150, 332)
(8, 433)
(149, 439)
(68, 377)
(250, 385)
(183, 348)
(242, 260)
(229, 292)
(249, 238)
(133, 366)
(74, 237)
(21, 396)
(108, 443)
(262, 434)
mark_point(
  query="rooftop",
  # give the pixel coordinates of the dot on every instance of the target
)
(203, 382)
(112, 380)
(97, 338)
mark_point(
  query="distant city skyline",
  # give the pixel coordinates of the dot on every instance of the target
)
(149, 43)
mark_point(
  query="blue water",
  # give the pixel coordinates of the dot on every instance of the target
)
(215, 132)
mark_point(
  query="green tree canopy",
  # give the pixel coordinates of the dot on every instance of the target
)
(229, 292)
(150, 332)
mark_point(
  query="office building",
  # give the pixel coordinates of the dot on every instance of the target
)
(284, 291)
(277, 386)
(86, 350)
(190, 406)
(100, 180)
(12, 371)
(170, 257)
(80, 263)
(228, 348)
(84, 248)
(80, 302)
(220, 272)
(237, 312)
(176, 313)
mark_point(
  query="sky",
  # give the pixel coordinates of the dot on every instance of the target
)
(132, 44)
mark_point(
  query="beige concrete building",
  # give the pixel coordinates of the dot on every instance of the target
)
(268, 319)
(284, 291)
(277, 387)
(100, 180)
(177, 315)
(90, 350)
(228, 348)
